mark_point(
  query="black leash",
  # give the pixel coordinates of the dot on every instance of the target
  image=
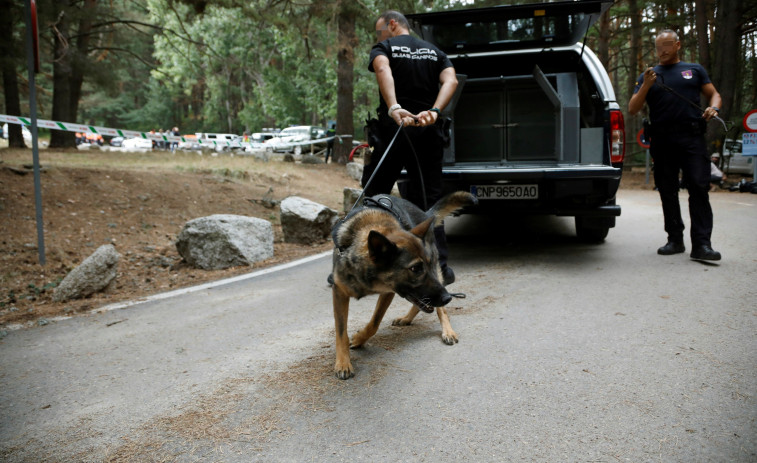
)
(381, 161)
(378, 166)
(384, 202)
(694, 105)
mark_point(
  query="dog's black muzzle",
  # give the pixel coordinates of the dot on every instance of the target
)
(429, 303)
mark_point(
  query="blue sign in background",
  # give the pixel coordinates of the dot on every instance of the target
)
(750, 144)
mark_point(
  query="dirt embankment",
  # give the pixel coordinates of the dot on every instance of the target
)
(140, 212)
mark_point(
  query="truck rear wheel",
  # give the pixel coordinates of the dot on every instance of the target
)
(591, 229)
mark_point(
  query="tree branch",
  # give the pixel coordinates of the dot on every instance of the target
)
(152, 66)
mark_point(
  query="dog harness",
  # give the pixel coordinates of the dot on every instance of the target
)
(382, 202)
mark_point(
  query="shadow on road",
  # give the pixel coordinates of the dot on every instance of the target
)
(488, 238)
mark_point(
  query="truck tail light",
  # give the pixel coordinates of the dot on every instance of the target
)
(618, 133)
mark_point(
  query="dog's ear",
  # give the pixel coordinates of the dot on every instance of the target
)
(380, 248)
(423, 228)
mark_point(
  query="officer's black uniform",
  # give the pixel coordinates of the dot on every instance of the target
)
(416, 66)
(677, 144)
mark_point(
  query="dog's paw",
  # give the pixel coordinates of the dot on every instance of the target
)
(449, 338)
(344, 371)
(358, 339)
(402, 321)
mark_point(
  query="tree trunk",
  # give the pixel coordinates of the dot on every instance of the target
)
(726, 58)
(8, 63)
(604, 39)
(78, 63)
(635, 63)
(703, 44)
(345, 105)
(62, 71)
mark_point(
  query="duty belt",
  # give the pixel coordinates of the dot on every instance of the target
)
(671, 128)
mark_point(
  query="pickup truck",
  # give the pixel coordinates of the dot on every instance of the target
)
(534, 125)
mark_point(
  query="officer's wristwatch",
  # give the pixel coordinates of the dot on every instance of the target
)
(717, 110)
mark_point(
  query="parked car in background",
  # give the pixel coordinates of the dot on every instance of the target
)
(261, 137)
(238, 143)
(535, 127)
(137, 144)
(294, 139)
(190, 143)
(215, 141)
(256, 141)
(734, 161)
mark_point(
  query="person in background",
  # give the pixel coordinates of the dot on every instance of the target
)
(175, 144)
(677, 142)
(717, 177)
(331, 132)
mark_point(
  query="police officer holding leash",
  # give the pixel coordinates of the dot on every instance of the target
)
(416, 82)
(672, 90)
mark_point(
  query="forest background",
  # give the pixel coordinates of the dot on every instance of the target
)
(235, 66)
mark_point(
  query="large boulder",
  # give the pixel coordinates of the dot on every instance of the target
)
(355, 170)
(225, 240)
(91, 276)
(304, 221)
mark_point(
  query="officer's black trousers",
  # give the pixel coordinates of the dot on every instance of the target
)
(672, 153)
(427, 143)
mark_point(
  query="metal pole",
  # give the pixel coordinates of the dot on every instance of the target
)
(35, 146)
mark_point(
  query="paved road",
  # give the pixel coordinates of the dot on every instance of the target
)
(568, 352)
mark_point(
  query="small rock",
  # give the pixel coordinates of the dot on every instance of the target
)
(94, 274)
(309, 159)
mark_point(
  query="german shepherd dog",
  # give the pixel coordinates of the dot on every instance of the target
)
(387, 247)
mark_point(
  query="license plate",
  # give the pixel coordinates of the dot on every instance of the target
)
(505, 191)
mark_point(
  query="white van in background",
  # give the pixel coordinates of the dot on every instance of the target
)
(215, 141)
